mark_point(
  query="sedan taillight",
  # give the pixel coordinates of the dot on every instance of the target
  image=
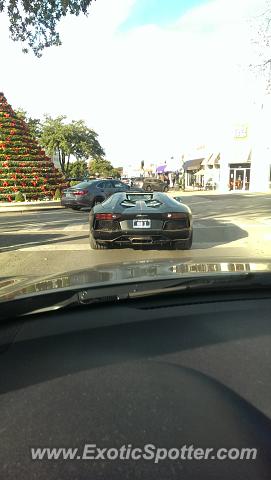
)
(106, 216)
(80, 192)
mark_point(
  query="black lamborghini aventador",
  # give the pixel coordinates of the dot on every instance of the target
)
(131, 219)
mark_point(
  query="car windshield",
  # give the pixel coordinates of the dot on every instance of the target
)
(169, 101)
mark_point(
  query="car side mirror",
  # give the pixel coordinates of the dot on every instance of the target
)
(178, 199)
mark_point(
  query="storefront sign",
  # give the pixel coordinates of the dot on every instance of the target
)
(241, 132)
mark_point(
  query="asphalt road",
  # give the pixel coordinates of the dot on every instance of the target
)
(226, 227)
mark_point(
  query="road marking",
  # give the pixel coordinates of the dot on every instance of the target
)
(85, 228)
(85, 246)
(44, 230)
(76, 228)
(54, 247)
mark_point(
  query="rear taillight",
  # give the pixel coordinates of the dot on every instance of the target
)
(175, 216)
(106, 216)
(80, 192)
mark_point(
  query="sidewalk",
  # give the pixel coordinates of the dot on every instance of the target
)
(181, 193)
(192, 192)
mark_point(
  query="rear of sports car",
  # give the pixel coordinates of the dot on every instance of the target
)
(141, 219)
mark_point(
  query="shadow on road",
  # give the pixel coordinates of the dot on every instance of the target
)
(209, 228)
(214, 234)
(217, 233)
(34, 240)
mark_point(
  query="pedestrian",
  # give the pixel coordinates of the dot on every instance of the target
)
(166, 179)
(173, 180)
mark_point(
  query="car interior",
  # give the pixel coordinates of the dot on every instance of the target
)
(178, 370)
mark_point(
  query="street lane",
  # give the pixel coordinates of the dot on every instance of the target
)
(47, 242)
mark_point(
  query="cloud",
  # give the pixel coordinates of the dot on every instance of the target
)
(150, 92)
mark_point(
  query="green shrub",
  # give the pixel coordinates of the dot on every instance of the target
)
(57, 195)
(19, 197)
(74, 182)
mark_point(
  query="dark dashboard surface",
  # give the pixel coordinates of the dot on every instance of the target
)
(196, 374)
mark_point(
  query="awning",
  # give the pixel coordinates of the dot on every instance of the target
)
(192, 164)
(161, 169)
(214, 159)
(201, 172)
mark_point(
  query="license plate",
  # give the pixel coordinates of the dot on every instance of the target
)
(141, 224)
(69, 195)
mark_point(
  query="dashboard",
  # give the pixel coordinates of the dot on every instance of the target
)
(181, 371)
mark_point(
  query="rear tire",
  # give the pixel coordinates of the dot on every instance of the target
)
(184, 244)
(96, 245)
(166, 189)
(148, 188)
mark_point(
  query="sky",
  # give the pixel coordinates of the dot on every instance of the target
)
(158, 12)
(154, 78)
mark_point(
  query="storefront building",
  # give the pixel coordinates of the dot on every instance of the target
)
(242, 164)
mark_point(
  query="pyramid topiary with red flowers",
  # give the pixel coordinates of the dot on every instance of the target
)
(24, 166)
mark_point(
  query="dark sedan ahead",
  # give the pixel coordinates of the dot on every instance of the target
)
(88, 194)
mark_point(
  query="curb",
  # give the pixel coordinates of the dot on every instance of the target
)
(29, 206)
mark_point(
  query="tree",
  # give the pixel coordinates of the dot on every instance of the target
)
(78, 169)
(115, 173)
(34, 124)
(24, 166)
(84, 141)
(262, 42)
(69, 139)
(120, 171)
(34, 22)
(101, 167)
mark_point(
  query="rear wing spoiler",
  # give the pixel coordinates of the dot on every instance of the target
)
(147, 198)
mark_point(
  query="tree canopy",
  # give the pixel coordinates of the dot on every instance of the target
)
(69, 139)
(34, 124)
(78, 169)
(102, 167)
(262, 41)
(34, 22)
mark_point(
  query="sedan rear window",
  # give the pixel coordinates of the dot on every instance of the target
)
(83, 184)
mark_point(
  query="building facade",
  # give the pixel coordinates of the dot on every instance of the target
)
(241, 161)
